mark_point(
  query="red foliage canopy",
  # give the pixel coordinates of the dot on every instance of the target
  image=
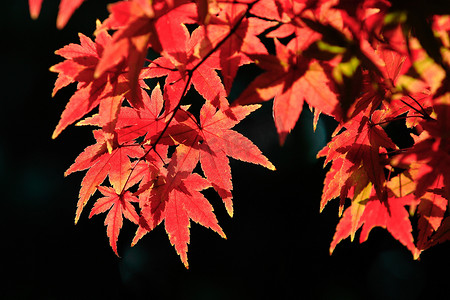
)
(364, 63)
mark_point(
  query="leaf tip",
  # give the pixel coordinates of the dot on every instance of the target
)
(222, 234)
(109, 146)
(184, 260)
(331, 250)
(97, 73)
(34, 15)
(134, 242)
(117, 254)
(416, 254)
(35, 9)
(114, 248)
(61, 22)
(229, 208)
(282, 137)
(269, 165)
(55, 134)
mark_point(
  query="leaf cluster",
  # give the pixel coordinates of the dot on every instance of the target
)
(366, 64)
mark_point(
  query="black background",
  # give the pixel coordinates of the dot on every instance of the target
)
(277, 246)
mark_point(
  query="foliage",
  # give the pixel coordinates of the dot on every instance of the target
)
(365, 63)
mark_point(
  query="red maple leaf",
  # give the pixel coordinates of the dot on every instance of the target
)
(148, 120)
(290, 79)
(359, 146)
(168, 195)
(431, 210)
(234, 34)
(106, 91)
(391, 215)
(378, 87)
(178, 64)
(119, 206)
(291, 14)
(218, 141)
(186, 202)
(215, 141)
(442, 234)
(431, 151)
(139, 26)
(101, 163)
(428, 161)
(175, 198)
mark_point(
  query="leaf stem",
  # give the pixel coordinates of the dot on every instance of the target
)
(396, 119)
(423, 112)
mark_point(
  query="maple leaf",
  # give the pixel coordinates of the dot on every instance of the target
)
(139, 26)
(128, 46)
(363, 18)
(183, 68)
(291, 14)
(188, 203)
(442, 234)
(107, 91)
(429, 162)
(119, 205)
(148, 120)
(271, 9)
(169, 197)
(358, 146)
(290, 79)
(432, 208)
(234, 34)
(101, 163)
(378, 87)
(414, 106)
(175, 198)
(391, 215)
(431, 149)
(394, 90)
(216, 142)
(368, 211)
